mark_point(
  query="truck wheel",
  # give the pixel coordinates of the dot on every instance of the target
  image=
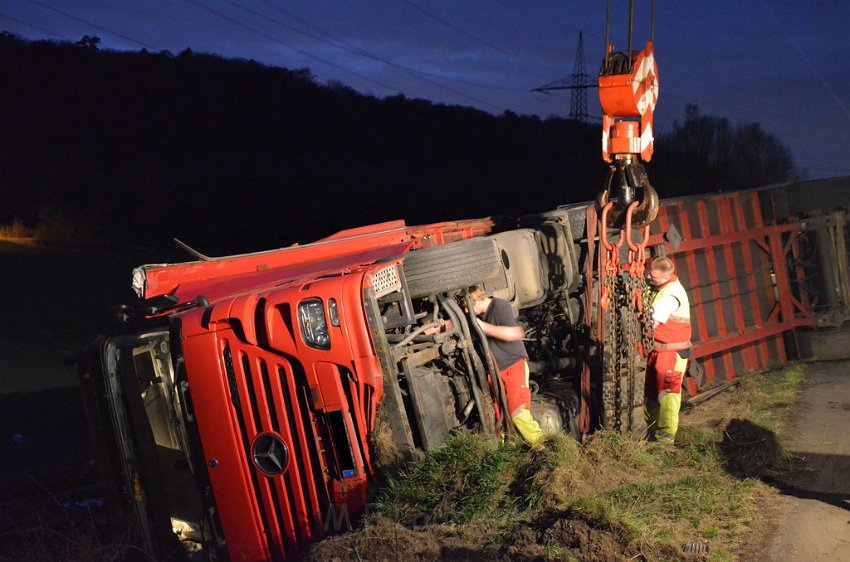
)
(455, 266)
(556, 410)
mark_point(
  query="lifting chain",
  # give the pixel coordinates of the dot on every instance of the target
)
(640, 293)
(627, 304)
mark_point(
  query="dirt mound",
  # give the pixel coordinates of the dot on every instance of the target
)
(566, 536)
(383, 539)
(750, 449)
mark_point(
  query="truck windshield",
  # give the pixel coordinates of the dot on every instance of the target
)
(143, 390)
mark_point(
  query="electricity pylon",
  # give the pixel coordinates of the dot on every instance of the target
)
(578, 82)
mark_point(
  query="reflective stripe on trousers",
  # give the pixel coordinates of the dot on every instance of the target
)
(663, 394)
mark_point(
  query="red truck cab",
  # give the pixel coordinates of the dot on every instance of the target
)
(234, 408)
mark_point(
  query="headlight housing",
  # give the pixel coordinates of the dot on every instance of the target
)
(314, 327)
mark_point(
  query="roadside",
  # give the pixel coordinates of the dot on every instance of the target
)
(490, 502)
(814, 519)
(804, 512)
(509, 504)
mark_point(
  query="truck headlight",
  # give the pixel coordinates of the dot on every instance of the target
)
(314, 327)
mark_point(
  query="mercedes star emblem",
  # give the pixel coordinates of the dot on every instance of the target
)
(270, 454)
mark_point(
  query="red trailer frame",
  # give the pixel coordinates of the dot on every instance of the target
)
(745, 299)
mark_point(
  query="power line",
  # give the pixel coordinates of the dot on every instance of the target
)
(475, 38)
(47, 31)
(840, 104)
(811, 138)
(844, 171)
(822, 163)
(288, 46)
(776, 127)
(100, 27)
(342, 43)
(364, 53)
(578, 82)
(744, 110)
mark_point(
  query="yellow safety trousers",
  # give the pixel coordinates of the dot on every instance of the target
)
(662, 417)
(525, 422)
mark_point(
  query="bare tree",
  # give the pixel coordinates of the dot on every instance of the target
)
(705, 153)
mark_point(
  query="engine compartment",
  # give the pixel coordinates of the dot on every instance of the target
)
(443, 378)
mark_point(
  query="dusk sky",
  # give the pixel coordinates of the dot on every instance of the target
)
(784, 64)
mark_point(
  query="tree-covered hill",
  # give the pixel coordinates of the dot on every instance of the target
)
(232, 155)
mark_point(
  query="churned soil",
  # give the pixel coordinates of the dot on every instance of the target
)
(385, 540)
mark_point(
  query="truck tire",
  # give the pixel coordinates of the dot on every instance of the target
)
(455, 266)
(556, 410)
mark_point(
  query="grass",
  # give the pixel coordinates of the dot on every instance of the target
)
(657, 511)
(52, 533)
(651, 498)
(771, 394)
(464, 480)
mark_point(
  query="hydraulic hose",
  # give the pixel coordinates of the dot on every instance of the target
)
(496, 380)
(457, 319)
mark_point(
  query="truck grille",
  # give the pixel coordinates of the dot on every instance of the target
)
(269, 395)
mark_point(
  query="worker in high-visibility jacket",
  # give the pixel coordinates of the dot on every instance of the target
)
(666, 364)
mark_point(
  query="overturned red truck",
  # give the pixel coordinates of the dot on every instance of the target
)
(242, 407)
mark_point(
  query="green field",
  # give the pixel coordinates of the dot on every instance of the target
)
(56, 300)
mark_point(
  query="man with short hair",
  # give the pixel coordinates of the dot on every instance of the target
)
(504, 337)
(665, 367)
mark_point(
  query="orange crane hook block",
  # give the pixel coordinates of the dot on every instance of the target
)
(628, 89)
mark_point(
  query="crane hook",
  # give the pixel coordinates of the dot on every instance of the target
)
(627, 178)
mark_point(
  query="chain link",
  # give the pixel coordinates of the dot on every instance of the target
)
(611, 361)
(647, 329)
(629, 330)
(621, 337)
